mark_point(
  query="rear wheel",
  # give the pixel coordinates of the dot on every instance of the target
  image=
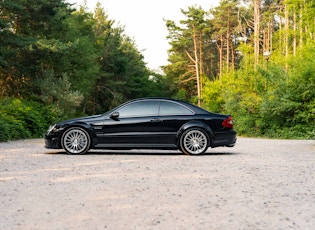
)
(194, 141)
(76, 140)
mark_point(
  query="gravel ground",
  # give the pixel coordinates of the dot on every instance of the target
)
(258, 184)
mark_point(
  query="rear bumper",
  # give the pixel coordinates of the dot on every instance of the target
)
(226, 138)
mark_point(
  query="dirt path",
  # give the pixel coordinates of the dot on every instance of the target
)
(258, 184)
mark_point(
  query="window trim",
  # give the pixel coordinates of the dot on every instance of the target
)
(174, 102)
(137, 116)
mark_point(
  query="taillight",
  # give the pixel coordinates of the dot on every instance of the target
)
(228, 122)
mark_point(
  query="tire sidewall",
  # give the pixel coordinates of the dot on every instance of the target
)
(87, 148)
(182, 137)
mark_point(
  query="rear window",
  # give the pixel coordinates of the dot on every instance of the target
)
(171, 108)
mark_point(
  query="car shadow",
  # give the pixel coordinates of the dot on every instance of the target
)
(143, 152)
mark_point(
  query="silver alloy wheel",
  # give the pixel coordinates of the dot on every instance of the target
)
(76, 141)
(194, 142)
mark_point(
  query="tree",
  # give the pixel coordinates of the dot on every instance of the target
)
(256, 31)
(59, 93)
(23, 24)
(123, 74)
(225, 22)
(188, 47)
(259, 90)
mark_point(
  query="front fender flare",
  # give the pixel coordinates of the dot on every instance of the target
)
(85, 126)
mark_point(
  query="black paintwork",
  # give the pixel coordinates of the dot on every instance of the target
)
(111, 131)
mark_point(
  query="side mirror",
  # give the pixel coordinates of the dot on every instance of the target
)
(115, 116)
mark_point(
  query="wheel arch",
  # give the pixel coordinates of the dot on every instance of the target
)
(195, 124)
(84, 126)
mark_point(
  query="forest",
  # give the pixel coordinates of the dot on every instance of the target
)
(252, 59)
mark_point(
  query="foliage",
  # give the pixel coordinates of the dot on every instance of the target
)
(213, 99)
(57, 62)
(294, 100)
(24, 119)
(123, 74)
(57, 92)
(270, 94)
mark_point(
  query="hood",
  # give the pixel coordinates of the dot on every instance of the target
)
(88, 119)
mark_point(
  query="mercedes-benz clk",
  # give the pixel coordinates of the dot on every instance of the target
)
(145, 123)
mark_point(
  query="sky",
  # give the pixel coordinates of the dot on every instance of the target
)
(143, 22)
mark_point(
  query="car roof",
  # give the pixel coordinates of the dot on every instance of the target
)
(195, 108)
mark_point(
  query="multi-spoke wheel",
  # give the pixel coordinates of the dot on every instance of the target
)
(194, 141)
(76, 141)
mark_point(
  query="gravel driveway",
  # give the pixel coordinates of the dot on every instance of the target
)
(258, 184)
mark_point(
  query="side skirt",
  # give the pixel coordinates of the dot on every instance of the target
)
(135, 146)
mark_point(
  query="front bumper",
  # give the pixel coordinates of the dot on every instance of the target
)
(52, 142)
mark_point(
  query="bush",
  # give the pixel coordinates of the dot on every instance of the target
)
(20, 119)
(271, 102)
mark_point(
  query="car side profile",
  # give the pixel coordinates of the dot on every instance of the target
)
(145, 123)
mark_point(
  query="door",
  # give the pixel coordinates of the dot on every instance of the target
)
(135, 124)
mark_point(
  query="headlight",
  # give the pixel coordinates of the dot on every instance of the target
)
(51, 128)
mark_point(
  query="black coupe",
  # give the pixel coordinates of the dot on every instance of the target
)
(146, 123)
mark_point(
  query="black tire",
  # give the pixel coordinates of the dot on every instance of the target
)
(76, 140)
(194, 141)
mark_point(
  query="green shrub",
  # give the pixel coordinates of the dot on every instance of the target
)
(20, 119)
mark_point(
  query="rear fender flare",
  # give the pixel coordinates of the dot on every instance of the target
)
(195, 124)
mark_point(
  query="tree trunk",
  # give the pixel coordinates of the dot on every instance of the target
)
(286, 41)
(232, 57)
(201, 65)
(256, 31)
(227, 51)
(220, 48)
(197, 68)
(294, 34)
(228, 43)
(301, 27)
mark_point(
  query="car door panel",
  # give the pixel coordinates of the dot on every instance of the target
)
(134, 124)
(138, 130)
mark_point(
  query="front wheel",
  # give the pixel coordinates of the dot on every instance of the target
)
(194, 141)
(76, 141)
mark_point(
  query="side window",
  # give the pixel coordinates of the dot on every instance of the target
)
(141, 108)
(170, 108)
